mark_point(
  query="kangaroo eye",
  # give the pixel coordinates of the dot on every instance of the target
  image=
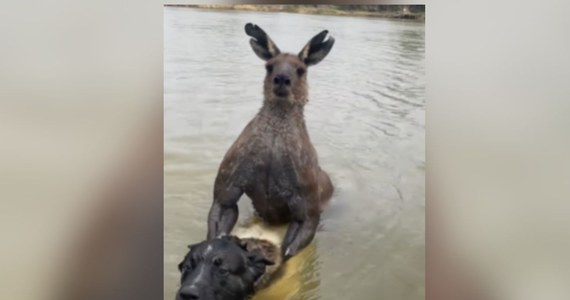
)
(269, 68)
(224, 271)
(300, 71)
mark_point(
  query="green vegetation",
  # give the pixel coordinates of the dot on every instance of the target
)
(412, 12)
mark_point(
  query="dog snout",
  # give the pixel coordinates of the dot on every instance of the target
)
(189, 293)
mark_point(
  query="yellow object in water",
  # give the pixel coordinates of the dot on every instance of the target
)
(287, 280)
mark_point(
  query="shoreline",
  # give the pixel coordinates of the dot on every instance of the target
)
(326, 10)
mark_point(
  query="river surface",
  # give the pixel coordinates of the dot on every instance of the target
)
(366, 119)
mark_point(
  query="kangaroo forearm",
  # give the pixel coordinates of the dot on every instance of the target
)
(290, 236)
(221, 220)
(301, 234)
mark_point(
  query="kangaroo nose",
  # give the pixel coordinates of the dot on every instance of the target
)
(281, 80)
(189, 293)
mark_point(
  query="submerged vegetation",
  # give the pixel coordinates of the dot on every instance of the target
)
(411, 12)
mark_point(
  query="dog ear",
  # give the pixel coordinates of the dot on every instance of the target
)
(190, 247)
(258, 264)
(241, 243)
(257, 258)
(234, 239)
(193, 245)
(181, 264)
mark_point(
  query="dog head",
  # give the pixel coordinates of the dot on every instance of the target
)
(220, 269)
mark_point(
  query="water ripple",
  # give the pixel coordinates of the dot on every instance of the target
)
(366, 118)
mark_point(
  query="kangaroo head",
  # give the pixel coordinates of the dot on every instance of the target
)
(286, 78)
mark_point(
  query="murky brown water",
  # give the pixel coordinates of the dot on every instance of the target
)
(366, 118)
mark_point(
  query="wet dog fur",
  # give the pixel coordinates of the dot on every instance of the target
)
(231, 267)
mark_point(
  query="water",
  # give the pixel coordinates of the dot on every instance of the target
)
(365, 116)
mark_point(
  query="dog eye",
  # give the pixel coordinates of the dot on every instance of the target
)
(194, 262)
(300, 71)
(184, 268)
(269, 68)
(217, 261)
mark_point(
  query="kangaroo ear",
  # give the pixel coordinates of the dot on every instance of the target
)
(316, 49)
(261, 43)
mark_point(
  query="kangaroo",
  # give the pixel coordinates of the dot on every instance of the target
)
(273, 161)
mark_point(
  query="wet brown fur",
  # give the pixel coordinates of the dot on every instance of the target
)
(274, 162)
(271, 252)
(276, 140)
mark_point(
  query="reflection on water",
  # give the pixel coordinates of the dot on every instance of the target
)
(366, 118)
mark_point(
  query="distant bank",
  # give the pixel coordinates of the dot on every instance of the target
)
(410, 12)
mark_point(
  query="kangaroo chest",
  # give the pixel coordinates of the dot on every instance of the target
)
(278, 163)
(274, 163)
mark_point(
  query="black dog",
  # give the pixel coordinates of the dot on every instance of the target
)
(226, 268)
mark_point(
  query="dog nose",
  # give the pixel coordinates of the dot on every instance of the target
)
(281, 80)
(189, 293)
